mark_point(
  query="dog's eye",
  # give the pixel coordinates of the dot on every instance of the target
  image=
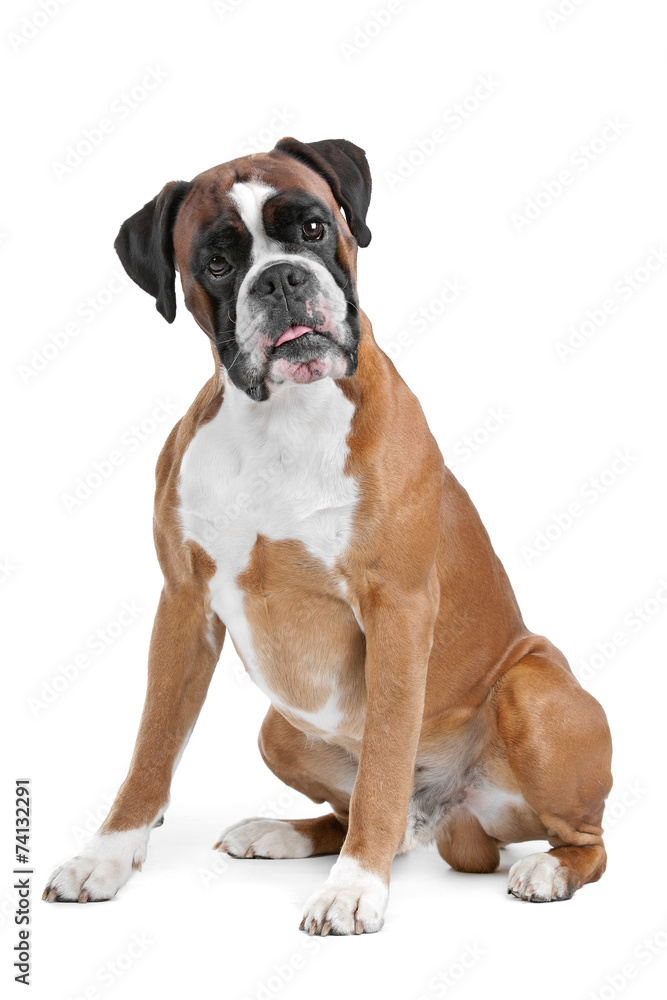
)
(312, 230)
(218, 265)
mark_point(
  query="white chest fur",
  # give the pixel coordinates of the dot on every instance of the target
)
(275, 468)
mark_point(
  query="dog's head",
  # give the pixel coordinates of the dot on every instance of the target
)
(266, 257)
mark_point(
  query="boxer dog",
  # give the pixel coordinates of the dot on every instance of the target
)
(303, 506)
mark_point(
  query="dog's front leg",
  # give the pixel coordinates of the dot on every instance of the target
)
(399, 635)
(185, 647)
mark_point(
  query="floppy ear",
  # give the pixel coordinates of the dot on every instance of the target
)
(346, 169)
(144, 245)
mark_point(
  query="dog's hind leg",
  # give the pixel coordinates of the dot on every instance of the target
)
(317, 769)
(558, 746)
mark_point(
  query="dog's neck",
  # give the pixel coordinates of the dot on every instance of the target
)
(299, 417)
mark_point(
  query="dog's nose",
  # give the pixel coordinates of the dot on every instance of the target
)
(279, 279)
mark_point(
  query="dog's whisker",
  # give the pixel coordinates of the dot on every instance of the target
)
(235, 359)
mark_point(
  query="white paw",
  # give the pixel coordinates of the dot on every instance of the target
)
(264, 838)
(351, 901)
(540, 878)
(101, 869)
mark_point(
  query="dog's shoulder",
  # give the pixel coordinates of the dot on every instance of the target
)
(178, 557)
(203, 409)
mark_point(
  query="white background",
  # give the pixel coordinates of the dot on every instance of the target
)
(66, 574)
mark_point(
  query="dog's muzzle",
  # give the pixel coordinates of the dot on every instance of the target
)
(293, 325)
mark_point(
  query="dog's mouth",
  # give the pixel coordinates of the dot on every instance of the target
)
(292, 333)
(302, 354)
(299, 340)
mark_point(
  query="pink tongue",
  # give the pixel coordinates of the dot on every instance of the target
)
(291, 333)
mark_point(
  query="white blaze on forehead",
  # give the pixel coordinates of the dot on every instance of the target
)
(250, 198)
(253, 312)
